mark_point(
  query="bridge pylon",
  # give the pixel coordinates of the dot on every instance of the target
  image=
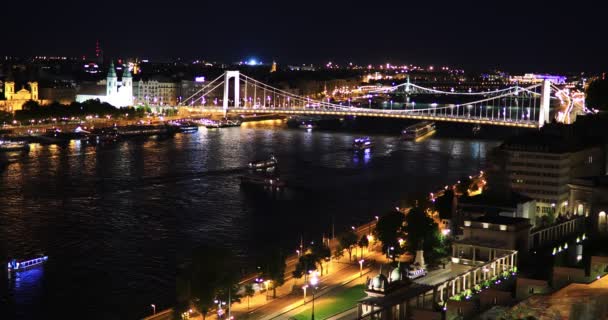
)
(237, 91)
(545, 103)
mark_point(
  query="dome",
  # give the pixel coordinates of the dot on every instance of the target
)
(396, 274)
(378, 283)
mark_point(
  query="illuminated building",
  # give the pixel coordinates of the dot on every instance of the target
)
(118, 93)
(540, 165)
(14, 100)
(156, 92)
(531, 78)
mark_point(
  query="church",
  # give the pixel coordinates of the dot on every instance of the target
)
(118, 93)
(14, 101)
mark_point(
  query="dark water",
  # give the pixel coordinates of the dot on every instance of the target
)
(114, 220)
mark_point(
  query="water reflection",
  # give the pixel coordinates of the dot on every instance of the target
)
(118, 215)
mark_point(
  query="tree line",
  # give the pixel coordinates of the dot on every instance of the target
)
(32, 110)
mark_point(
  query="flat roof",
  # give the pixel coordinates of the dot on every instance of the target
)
(553, 138)
(496, 219)
(490, 199)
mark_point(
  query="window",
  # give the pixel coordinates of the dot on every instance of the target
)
(467, 223)
(485, 225)
(590, 160)
(503, 227)
(531, 290)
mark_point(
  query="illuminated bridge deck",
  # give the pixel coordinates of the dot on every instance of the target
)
(372, 113)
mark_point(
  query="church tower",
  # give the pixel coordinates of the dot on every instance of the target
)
(34, 90)
(112, 82)
(127, 86)
(9, 89)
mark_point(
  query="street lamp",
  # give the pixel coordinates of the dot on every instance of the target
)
(361, 267)
(304, 287)
(220, 311)
(313, 282)
(153, 308)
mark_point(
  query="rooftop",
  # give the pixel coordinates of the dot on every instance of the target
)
(554, 138)
(494, 201)
(496, 219)
(593, 181)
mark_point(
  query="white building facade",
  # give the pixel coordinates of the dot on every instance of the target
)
(118, 93)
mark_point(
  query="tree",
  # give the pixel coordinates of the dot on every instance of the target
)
(423, 234)
(347, 241)
(30, 105)
(249, 292)
(305, 264)
(273, 268)
(211, 275)
(444, 204)
(363, 242)
(320, 253)
(388, 230)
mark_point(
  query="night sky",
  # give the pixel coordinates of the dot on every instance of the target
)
(513, 35)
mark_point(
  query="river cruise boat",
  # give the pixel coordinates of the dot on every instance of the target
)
(362, 144)
(418, 130)
(13, 146)
(187, 127)
(144, 130)
(20, 265)
(224, 124)
(56, 135)
(263, 164)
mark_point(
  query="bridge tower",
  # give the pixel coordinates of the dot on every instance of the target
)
(545, 103)
(231, 75)
(407, 85)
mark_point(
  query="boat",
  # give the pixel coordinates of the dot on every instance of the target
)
(418, 130)
(307, 125)
(362, 144)
(225, 123)
(186, 127)
(476, 129)
(261, 180)
(14, 146)
(20, 265)
(144, 130)
(104, 135)
(55, 135)
(263, 164)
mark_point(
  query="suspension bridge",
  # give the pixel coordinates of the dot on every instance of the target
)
(515, 106)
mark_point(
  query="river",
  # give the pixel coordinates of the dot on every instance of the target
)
(116, 220)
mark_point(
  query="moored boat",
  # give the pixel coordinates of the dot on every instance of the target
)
(226, 123)
(14, 146)
(20, 265)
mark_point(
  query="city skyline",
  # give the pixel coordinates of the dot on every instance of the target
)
(517, 37)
